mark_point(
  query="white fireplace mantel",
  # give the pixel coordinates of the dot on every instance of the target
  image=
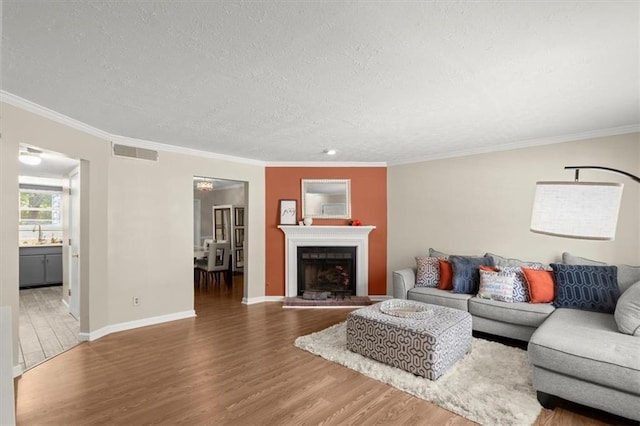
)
(323, 236)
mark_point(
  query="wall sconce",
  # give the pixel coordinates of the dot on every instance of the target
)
(584, 210)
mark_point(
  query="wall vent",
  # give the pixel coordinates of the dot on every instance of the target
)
(134, 152)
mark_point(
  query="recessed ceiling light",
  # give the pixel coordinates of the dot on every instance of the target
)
(330, 151)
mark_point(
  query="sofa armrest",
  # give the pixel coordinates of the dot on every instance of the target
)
(403, 281)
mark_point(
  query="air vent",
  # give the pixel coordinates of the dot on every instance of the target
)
(134, 152)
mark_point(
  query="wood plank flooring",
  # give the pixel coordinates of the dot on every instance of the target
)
(233, 364)
(46, 327)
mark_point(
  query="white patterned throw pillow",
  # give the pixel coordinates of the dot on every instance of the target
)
(520, 287)
(496, 285)
(428, 274)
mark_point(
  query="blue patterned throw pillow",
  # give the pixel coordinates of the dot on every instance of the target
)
(466, 276)
(586, 287)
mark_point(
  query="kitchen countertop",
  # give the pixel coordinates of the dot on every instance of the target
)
(29, 244)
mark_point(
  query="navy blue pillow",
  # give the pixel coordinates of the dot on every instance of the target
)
(466, 276)
(586, 287)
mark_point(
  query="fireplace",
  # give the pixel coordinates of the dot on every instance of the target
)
(326, 236)
(327, 269)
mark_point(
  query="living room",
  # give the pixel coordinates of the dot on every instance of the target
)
(137, 227)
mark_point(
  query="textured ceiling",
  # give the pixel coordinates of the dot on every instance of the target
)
(281, 81)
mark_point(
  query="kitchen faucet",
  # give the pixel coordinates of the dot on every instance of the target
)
(39, 228)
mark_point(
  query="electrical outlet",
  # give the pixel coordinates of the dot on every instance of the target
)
(136, 301)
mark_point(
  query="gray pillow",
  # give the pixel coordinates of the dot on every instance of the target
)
(466, 275)
(438, 254)
(627, 275)
(507, 262)
(627, 313)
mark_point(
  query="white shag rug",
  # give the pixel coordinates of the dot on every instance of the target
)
(491, 385)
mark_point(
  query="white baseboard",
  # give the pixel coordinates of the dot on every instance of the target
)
(380, 298)
(129, 325)
(261, 299)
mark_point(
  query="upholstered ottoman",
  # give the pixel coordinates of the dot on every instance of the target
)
(417, 337)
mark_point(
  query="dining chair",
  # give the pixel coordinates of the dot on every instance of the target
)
(216, 263)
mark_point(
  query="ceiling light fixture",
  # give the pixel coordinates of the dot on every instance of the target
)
(30, 157)
(204, 185)
(330, 151)
(584, 210)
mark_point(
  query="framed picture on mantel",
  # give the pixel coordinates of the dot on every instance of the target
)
(288, 212)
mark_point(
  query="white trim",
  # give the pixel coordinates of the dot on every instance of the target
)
(261, 299)
(24, 104)
(129, 325)
(380, 298)
(323, 164)
(17, 370)
(322, 236)
(45, 112)
(622, 130)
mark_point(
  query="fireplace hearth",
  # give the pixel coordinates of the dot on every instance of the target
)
(330, 270)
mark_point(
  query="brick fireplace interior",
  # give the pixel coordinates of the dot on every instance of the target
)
(327, 269)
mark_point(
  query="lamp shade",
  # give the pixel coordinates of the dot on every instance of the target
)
(587, 210)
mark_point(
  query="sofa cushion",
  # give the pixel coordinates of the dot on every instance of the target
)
(496, 285)
(587, 345)
(540, 284)
(439, 297)
(527, 314)
(428, 271)
(627, 275)
(627, 313)
(587, 287)
(466, 276)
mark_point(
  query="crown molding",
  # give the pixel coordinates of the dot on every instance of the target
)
(52, 115)
(323, 164)
(613, 131)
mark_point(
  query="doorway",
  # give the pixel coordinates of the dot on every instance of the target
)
(46, 325)
(220, 216)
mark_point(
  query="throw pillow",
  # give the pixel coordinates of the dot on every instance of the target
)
(627, 275)
(438, 254)
(520, 287)
(466, 275)
(428, 271)
(540, 285)
(627, 313)
(446, 274)
(496, 285)
(586, 287)
(507, 262)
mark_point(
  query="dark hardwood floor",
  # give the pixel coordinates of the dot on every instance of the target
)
(233, 364)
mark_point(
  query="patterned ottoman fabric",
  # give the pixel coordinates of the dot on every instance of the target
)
(417, 337)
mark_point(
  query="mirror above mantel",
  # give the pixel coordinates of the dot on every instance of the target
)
(326, 198)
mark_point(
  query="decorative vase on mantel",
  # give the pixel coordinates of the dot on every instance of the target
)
(307, 221)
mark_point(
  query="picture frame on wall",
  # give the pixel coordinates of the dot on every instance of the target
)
(288, 212)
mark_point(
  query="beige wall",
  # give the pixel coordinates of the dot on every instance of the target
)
(137, 223)
(480, 203)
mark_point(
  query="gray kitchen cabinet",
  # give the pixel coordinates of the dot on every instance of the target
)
(40, 265)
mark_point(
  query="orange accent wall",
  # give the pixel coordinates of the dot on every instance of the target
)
(368, 204)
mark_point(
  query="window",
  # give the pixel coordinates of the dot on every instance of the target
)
(40, 207)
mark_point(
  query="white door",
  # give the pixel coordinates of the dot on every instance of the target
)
(74, 245)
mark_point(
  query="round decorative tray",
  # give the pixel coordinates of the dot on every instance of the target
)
(405, 309)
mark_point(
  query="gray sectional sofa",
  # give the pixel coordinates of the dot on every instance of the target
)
(577, 355)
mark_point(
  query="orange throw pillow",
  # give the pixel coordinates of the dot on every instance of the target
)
(446, 274)
(541, 285)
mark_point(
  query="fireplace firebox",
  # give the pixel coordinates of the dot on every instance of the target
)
(327, 269)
